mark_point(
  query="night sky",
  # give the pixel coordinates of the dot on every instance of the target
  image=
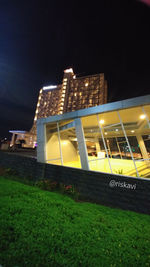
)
(39, 39)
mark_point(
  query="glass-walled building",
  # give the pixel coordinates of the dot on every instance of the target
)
(111, 138)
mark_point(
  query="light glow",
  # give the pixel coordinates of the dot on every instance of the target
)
(86, 84)
(49, 87)
(143, 116)
(132, 131)
(101, 121)
(68, 70)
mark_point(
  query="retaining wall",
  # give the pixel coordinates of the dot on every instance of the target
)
(107, 189)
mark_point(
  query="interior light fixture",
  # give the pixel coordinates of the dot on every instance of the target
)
(86, 84)
(101, 121)
(105, 133)
(116, 130)
(142, 116)
(132, 131)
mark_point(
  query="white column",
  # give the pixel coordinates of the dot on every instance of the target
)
(13, 139)
(41, 142)
(142, 146)
(81, 144)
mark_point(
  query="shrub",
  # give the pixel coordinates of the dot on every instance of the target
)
(8, 171)
(49, 185)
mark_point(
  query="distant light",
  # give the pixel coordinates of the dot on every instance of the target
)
(143, 116)
(74, 76)
(68, 70)
(101, 121)
(49, 87)
(105, 133)
(86, 84)
(132, 131)
(116, 130)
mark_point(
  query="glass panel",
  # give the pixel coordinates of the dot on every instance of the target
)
(108, 146)
(116, 143)
(52, 145)
(136, 125)
(69, 145)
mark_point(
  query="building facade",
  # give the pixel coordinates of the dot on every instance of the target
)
(73, 94)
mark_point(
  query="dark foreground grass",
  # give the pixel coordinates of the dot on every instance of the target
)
(40, 228)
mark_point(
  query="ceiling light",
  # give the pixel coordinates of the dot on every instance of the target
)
(143, 116)
(101, 121)
(105, 133)
(132, 131)
(116, 130)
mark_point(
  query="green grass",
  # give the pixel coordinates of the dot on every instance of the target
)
(40, 228)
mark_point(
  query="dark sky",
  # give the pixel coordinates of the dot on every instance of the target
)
(39, 39)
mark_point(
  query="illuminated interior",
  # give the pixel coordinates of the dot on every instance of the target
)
(113, 142)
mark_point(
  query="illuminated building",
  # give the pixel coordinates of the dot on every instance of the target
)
(73, 94)
(112, 138)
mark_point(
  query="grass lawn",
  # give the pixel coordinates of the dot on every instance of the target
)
(41, 228)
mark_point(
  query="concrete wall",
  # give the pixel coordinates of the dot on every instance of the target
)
(111, 190)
